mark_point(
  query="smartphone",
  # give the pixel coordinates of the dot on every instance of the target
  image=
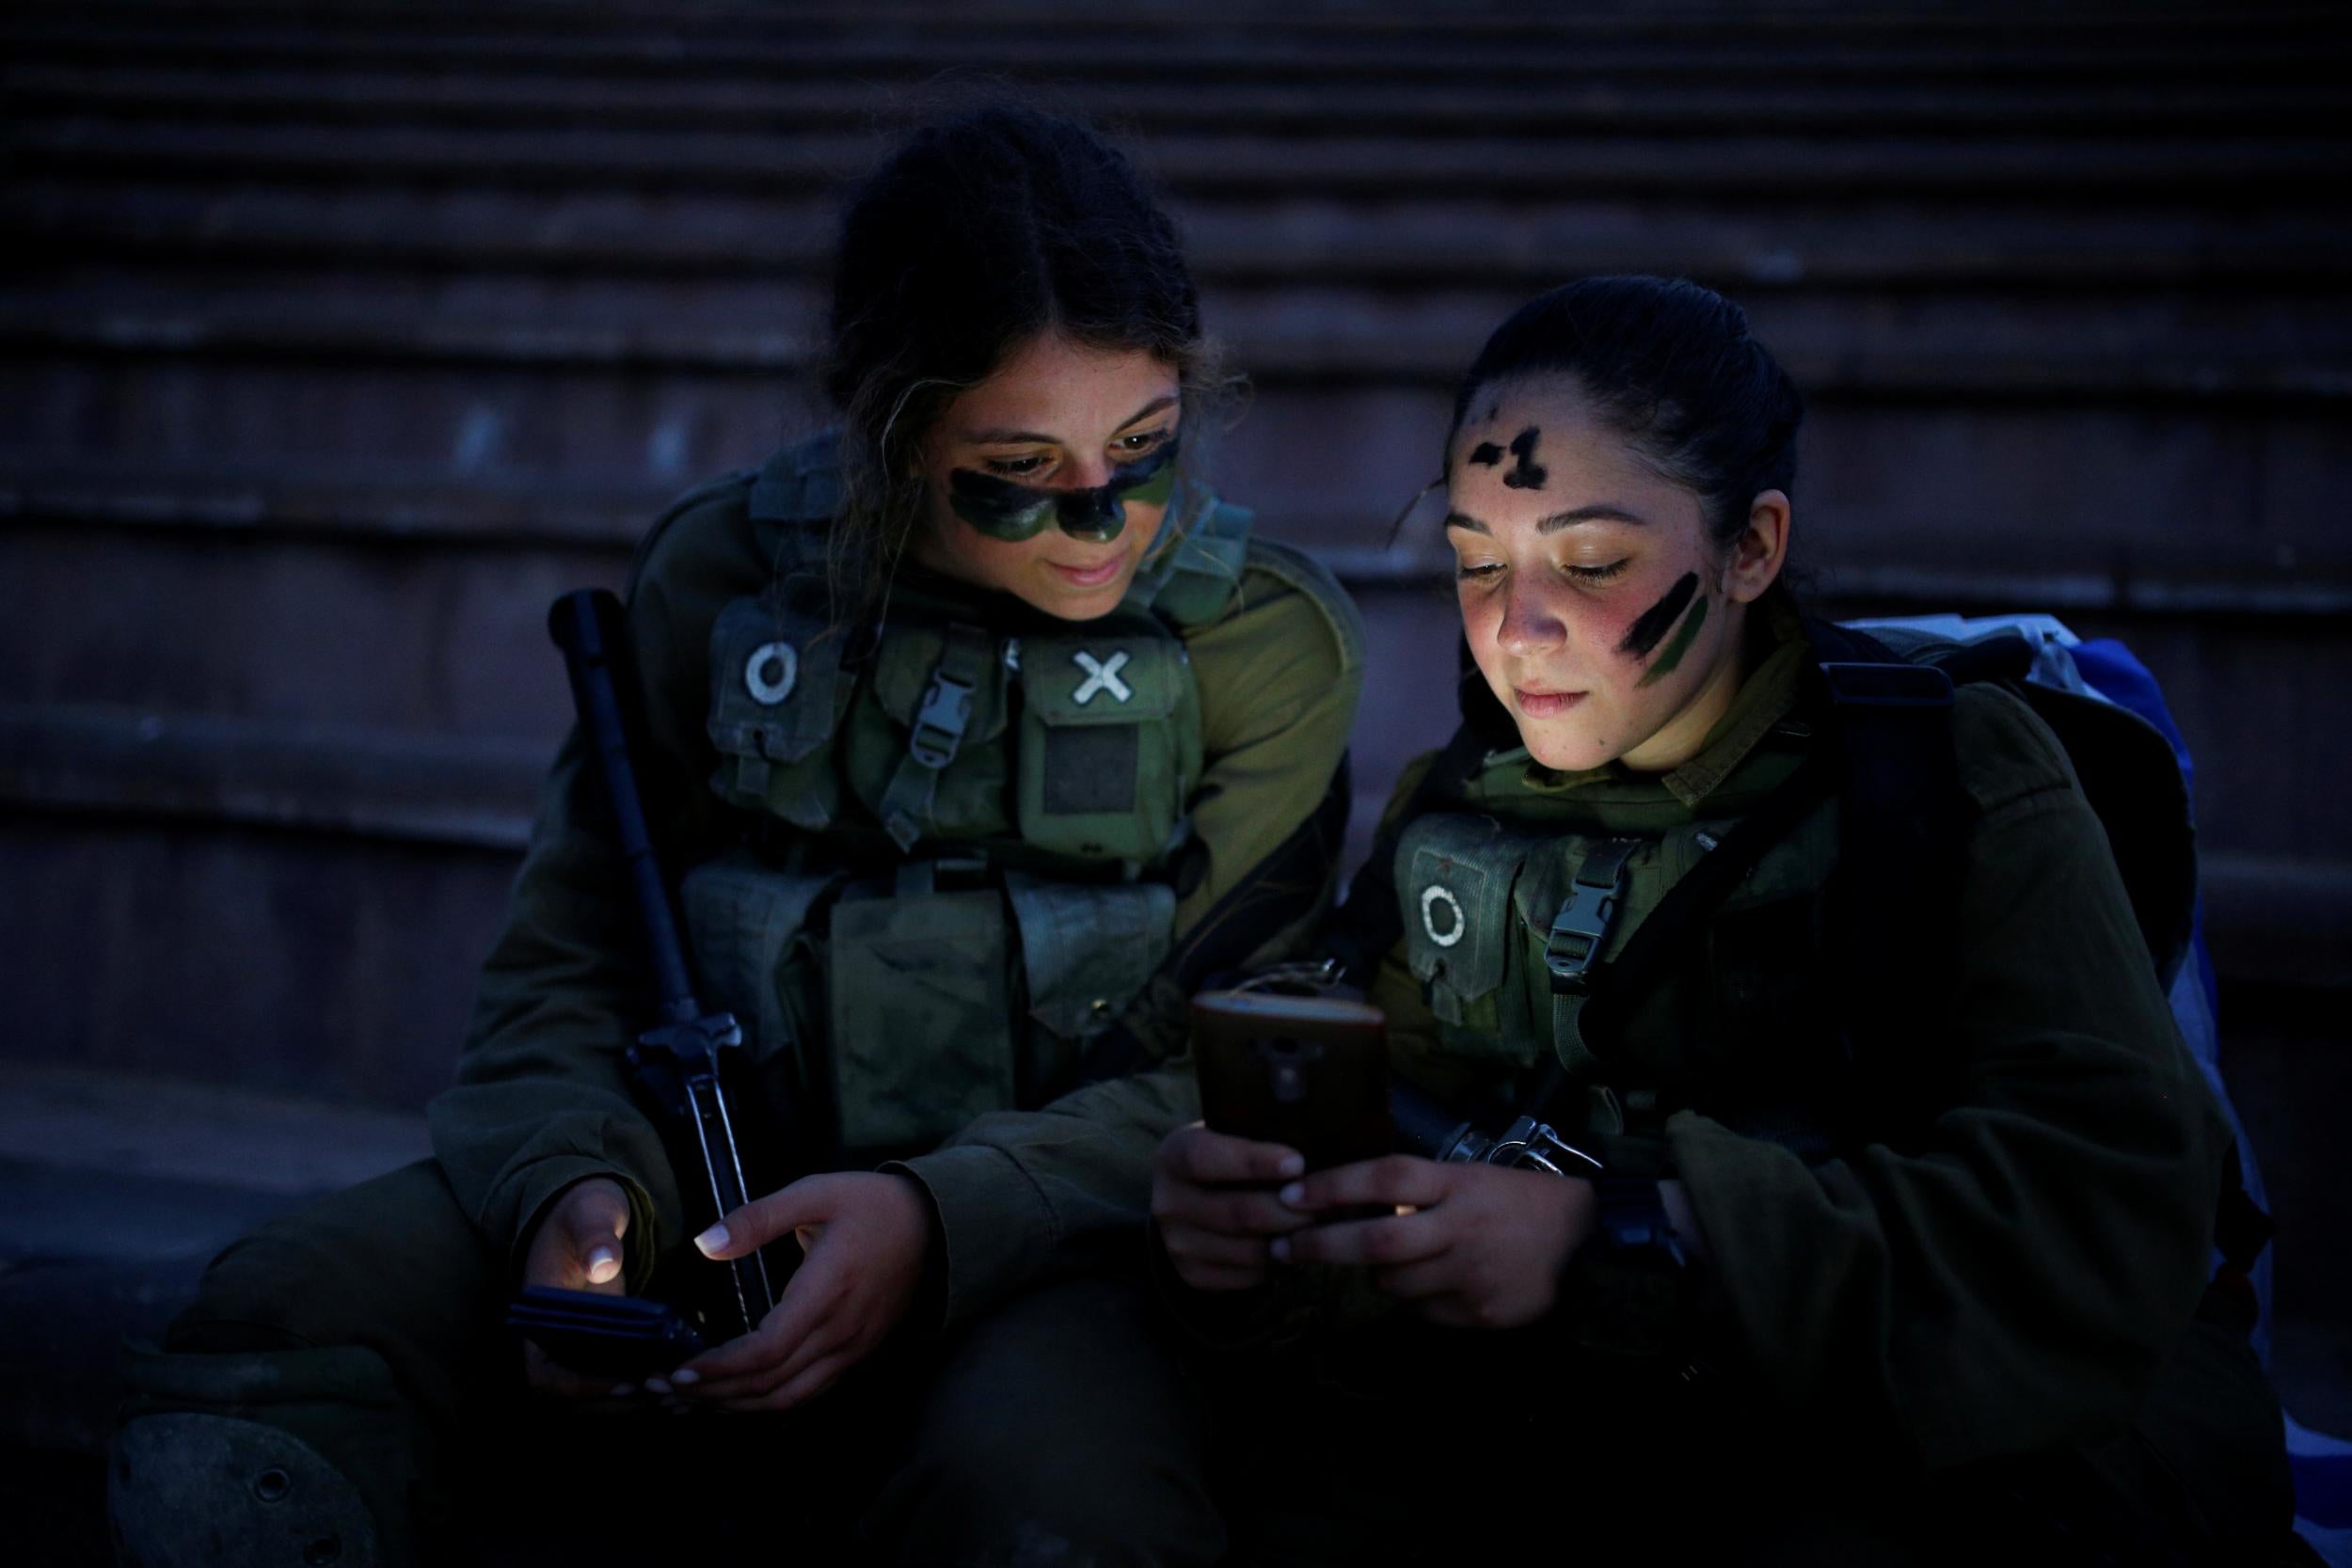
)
(1310, 1072)
(616, 1337)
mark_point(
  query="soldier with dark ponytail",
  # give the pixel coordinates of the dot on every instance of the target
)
(1820, 1176)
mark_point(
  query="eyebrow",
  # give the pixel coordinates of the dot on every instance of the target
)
(1008, 437)
(1602, 511)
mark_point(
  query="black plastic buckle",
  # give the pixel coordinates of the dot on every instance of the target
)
(1577, 932)
(1586, 916)
(940, 723)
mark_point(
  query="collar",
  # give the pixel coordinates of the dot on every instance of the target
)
(1763, 702)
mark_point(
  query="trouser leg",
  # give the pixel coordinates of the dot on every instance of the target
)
(1060, 1427)
(304, 1404)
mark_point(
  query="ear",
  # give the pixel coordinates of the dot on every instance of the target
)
(1761, 549)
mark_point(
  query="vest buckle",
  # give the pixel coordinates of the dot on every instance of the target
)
(940, 723)
(1586, 915)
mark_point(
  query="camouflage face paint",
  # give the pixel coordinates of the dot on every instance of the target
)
(1003, 509)
(1680, 645)
(1660, 618)
(1526, 474)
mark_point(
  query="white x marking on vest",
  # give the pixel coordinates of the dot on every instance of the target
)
(1102, 675)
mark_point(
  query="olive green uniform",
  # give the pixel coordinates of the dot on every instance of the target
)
(1900, 1328)
(1026, 1395)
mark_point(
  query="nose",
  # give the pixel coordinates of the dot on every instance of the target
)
(1528, 624)
(1088, 472)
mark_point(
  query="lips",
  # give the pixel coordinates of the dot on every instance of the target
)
(1090, 577)
(1545, 705)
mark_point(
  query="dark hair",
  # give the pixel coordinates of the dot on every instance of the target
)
(1672, 367)
(977, 233)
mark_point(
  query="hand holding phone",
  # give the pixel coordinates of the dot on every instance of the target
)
(1308, 1073)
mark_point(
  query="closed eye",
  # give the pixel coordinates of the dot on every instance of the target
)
(1014, 467)
(1597, 573)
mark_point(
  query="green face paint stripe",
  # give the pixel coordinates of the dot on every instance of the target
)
(1156, 490)
(1681, 643)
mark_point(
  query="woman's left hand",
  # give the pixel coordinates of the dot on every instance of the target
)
(1471, 1247)
(866, 1237)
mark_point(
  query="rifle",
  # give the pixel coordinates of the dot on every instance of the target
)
(676, 1065)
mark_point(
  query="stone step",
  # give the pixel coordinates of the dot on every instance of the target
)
(1584, 103)
(113, 1191)
(1750, 248)
(2270, 349)
(2222, 488)
(2094, 170)
(383, 514)
(2288, 43)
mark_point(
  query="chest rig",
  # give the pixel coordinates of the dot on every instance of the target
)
(961, 821)
(1517, 908)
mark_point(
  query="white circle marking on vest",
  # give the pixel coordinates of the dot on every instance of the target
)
(1433, 895)
(768, 689)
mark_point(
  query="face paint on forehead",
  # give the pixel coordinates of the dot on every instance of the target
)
(1526, 474)
(1003, 509)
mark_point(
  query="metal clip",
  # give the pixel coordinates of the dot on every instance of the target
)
(1530, 1144)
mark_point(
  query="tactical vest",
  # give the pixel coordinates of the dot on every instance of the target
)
(976, 827)
(1788, 1007)
(1504, 913)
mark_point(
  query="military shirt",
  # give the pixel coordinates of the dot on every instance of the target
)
(541, 1100)
(2013, 1283)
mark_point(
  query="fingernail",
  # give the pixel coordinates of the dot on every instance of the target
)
(622, 1390)
(1293, 1164)
(655, 1385)
(686, 1377)
(603, 1265)
(1281, 1249)
(712, 1240)
(1293, 1194)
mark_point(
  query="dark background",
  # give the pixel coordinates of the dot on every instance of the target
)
(336, 339)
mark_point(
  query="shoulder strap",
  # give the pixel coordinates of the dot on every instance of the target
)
(1193, 582)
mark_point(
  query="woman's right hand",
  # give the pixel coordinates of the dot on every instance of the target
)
(1212, 1200)
(578, 1247)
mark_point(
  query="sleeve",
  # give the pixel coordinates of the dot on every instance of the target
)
(541, 1099)
(1022, 1195)
(2016, 1282)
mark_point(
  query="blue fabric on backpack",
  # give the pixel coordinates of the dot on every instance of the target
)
(2116, 674)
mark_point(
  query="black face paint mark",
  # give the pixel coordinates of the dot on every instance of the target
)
(1659, 619)
(1528, 474)
(1486, 454)
(1003, 509)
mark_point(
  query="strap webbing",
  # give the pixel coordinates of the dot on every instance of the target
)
(937, 734)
